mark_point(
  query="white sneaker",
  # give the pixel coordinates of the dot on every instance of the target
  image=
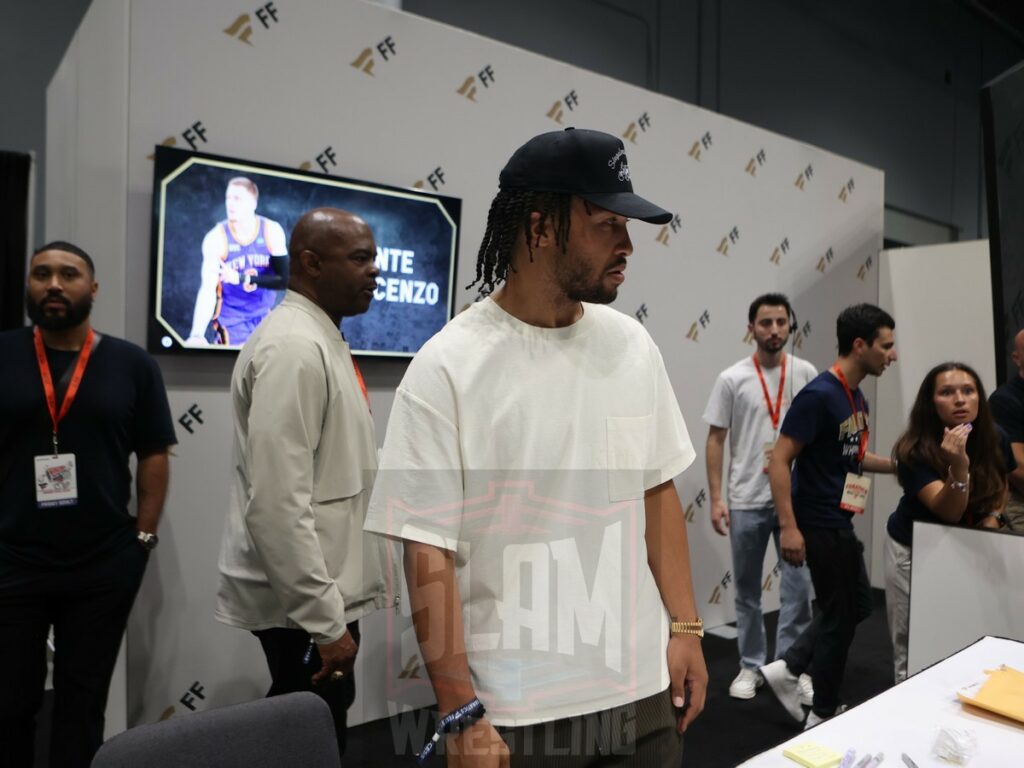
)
(806, 690)
(746, 684)
(814, 719)
(785, 686)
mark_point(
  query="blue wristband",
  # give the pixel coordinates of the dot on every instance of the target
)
(455, 720)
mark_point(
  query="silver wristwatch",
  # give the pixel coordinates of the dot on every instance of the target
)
(148, 541)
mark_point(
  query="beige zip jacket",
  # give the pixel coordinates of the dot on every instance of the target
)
(294, 553)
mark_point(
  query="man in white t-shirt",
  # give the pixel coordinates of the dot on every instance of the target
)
(528, 467)
(747, 404)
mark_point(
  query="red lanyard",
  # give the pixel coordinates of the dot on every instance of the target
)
(362, 384)
(774, 413)
(859, 416)
(76, 379)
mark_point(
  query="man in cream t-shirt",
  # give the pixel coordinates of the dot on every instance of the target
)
(528, 467)
(747, 404)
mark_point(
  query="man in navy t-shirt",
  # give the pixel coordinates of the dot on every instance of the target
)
(825, 437)
(74, 406)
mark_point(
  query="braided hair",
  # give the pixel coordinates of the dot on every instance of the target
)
(509, 214)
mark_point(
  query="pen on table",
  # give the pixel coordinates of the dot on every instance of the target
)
(909, 763)
(864, 761)
(876, 761)
(848, 758)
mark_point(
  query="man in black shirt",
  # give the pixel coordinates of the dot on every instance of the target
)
(73, 407)
(1007, 404)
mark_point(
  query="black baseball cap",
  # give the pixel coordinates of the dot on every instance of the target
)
(589, 164)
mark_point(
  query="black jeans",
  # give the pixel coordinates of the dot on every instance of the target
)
(88, 608)
(285, 650)
(843, 592)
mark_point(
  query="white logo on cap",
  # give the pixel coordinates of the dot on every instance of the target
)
(624, 168)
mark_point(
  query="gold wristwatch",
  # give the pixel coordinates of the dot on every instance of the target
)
(688, 627)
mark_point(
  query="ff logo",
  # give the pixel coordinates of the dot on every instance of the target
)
(364, 61)
(703, 321)
(325, 159)
(571, 101)
(468, 87)
(191, 417)
(411, 671)
(644, 122)
(689, 513)
(780, 250)
(800, 335)
(673, 225)
(641, 314)
(435, 179)
(757, 161)
(731, 238)
(241, 28)
(804, 177)
(716, 594)
(193, 134)
(825, 260)
(170, 141)
(767, 586)
(846, 190)
(865, 267)
(701, 144)
(194, 692)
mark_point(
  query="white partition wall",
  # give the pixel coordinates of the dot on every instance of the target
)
(397, 99)
(964, 585)
(941, 299)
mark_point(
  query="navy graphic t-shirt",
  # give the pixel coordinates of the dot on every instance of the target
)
(820, 418)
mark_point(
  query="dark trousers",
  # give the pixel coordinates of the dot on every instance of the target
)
(843, 592)
(88, 608)
(642, 733)
(285, 650)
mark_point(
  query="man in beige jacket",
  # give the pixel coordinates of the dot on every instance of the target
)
(296, 568)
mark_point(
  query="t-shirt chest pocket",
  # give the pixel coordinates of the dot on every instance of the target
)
(629, 449)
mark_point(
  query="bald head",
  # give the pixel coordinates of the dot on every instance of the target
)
(333, 261)
(320, 230)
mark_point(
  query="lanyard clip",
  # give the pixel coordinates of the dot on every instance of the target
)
(55, 451)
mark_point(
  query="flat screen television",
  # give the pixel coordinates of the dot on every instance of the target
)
(218, 223)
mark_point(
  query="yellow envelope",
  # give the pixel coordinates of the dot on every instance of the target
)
(1002, 693)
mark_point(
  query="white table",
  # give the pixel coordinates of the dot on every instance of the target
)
(907, 717)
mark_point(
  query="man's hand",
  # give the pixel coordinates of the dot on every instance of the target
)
(791, 542)
(339, 656)
(720, 517)
(479, 746)
(689, 675)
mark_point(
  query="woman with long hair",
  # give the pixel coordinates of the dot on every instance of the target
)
(952, 465)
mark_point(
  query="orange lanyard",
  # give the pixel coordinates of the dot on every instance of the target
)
(774, 413)
(76, 379)
(858, 415)
(362, 384)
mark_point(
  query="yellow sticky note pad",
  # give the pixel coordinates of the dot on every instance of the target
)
(813, 755)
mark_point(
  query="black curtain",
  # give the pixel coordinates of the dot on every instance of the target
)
(14, 178)
(1002, 120)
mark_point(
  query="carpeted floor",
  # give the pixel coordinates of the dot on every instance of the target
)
(729, 731)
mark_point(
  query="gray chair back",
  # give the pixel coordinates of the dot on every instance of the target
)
(289, 730)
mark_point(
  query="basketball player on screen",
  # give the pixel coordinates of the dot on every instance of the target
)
(245, 261)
